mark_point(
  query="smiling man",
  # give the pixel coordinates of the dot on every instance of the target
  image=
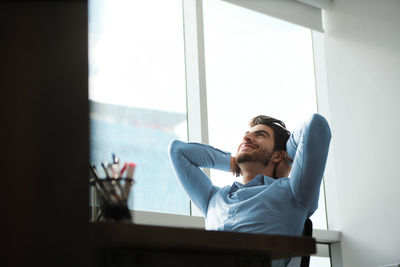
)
(262, 150)
(269, 200)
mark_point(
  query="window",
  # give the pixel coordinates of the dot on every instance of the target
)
(255, 64)
(137, 94)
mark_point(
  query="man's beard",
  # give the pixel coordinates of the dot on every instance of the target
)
(262, 156)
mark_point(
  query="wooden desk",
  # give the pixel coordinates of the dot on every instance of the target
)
(124, 244)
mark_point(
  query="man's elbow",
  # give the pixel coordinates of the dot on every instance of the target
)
(174, 147)
(319, 124)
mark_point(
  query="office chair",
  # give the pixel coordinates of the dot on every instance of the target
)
(303, 261)
(307, 231)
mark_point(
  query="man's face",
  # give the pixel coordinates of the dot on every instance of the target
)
(257, 145)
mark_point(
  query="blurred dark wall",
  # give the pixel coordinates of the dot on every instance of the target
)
(44, 133)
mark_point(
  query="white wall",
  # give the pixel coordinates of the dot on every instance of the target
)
(362, 50)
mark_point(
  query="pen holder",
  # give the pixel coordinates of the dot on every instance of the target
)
(113, 195)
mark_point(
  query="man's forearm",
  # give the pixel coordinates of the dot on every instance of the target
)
(203, 156)
(187, 159)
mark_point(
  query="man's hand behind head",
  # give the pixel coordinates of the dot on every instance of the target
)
(283, 167)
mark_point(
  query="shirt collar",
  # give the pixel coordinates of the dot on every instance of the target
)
(256, 181)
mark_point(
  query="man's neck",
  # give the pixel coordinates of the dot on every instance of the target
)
(252, 169)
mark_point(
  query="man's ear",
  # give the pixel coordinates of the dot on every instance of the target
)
(277, 156)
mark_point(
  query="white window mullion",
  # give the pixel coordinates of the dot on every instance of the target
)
(195, 76)
(331, 194)
(195, 71)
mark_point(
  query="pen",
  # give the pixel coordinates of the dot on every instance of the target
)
(115, 174)
(92, 172)
(130, 170)
(105, 170)
(94, 169)
(115, 159)
(115, 170)
(123, 169)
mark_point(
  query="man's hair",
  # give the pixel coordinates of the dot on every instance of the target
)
(281, 134)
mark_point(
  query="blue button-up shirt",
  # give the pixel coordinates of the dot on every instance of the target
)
(264, 205)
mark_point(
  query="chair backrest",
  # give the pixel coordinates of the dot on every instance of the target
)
(308, 228)
(303, 261)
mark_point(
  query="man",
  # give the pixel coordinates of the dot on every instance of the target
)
(269, 200)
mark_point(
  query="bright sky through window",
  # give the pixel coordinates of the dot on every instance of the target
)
(137, 94)
(137, 54)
